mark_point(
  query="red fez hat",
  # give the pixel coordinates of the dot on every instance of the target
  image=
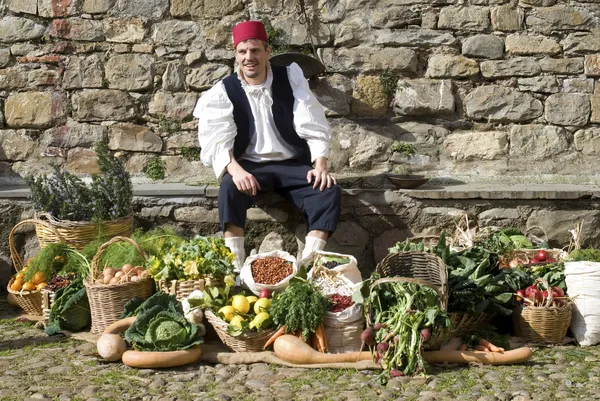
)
(249, 30)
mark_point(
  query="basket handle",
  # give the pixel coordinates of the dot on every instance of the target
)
(14, 254)
(103, 247)
(530, 229)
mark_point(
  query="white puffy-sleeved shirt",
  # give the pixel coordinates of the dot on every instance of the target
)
(217, 129)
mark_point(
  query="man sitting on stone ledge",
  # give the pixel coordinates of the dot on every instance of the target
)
(262, 129)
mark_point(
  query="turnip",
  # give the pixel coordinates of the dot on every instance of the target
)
(382, 348)
(377, 326)
(396, 373)
(368, 336)
(426, 333)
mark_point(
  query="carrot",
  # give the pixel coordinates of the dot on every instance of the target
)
(490, 346)
(322, 340)
(275, 336)
(314, 343)
(481, 348)
(463, 347)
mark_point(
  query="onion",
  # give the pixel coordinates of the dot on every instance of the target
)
(127, 268)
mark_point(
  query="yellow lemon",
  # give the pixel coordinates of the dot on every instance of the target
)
(262, 305)
(251, 299)
(237, 321)
(262, 321)
(240, 304)
(228, 312)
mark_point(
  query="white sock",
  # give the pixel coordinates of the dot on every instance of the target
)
(312, 244)
(236, 245)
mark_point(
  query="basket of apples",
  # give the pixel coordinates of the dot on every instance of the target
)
(543, 314)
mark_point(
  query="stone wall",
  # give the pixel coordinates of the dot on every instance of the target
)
(486, 89)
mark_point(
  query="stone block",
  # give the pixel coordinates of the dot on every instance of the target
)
(587, 141)
(595, 104)
(559, 18)
(216, 37)
(221, 8)
(578, 85)
(500, 217)
(507, 18)
(35, 109)
(483, 46)
(174, 32)
(78, 29)
(501, 104)
(97, 6)
(4, 57)
(155, 212)
(424, 97)
(22, 6)
(174, 142)
(369, 97)
(207, 75)
(272, 242)
(297, 34)
(17, 29)
(582, 42)
(591, 65)
(412, 37)
(447, 66)
(16, 145)
(184, 8)
(130, 30)
(350, 33)
(174, 78)
(557, 224)
(12, 78)
(538, 3)
(196, 214)
(83, 72)
(174, 106)
(514, 67)
(130, 72)
(395, 17)
(138, 162)
(531, 44)
(268, 214)
(370, 150)
(563, 66)
(334, 92)
(368, 59)
(568, 109)
(151, 9)
(543, 84)
(470, 146)
(82, 161)
(464, 18)
(58, 8)
(133, 138)
(103, 105)
(42, 77)
(73, 135)
(537, 142)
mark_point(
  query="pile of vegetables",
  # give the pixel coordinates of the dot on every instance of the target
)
(70, 310)
(538, 295)
(299, 310)
(160, 325)
(404, 316)
(193, 259)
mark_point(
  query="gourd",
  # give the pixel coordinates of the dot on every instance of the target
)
(111, 345)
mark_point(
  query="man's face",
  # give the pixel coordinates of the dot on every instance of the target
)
(252, 56)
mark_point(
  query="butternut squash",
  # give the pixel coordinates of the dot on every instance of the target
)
(294, 350)
(153, 360)
(120, 325)
(486, 358)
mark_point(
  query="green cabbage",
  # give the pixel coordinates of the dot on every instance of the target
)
(521, 242)
(70, 310)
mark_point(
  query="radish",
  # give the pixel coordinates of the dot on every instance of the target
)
(426, 333)
(533, 261)
(559, 291)
(520, 294)
(368, 336)
(396, 373)
(382, 348)
(542, 255)
(377, 326)
(265, 293)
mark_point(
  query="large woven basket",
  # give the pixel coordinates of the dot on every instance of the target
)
(180, 288)
(107, 301)
(77, 234)
(47, 302)
(29, 301)
(421, 268)
(249, 341)
(542, 324)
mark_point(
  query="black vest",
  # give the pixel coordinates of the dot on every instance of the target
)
(283, 114)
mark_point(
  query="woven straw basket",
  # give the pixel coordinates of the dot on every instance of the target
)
(107, 301)
(77, 234)
(29, 301)
(47, 302)
(249, 341)
(421, 268)
(466, 322)
(181, 289)
(542, 324)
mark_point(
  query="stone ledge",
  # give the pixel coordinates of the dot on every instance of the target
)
(464, 191)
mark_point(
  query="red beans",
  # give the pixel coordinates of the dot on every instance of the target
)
(270, 270)
(340, 303)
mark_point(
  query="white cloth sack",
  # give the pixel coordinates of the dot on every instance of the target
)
(583, 284)
(343, 329)
(248, 280)
(349, 270)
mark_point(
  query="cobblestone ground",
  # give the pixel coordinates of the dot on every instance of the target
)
(35, 367)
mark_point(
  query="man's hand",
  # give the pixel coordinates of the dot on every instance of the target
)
(245, 182)
(321, 176)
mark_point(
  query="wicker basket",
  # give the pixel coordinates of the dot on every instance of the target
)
(47, 302)
(421, 268)
(107, 301)
(180, 288)
(77, 234)
(29, 301)
(466, 322)
(542, 324)
(247, 342)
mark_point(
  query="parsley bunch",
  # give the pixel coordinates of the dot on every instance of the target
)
(299, 307)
